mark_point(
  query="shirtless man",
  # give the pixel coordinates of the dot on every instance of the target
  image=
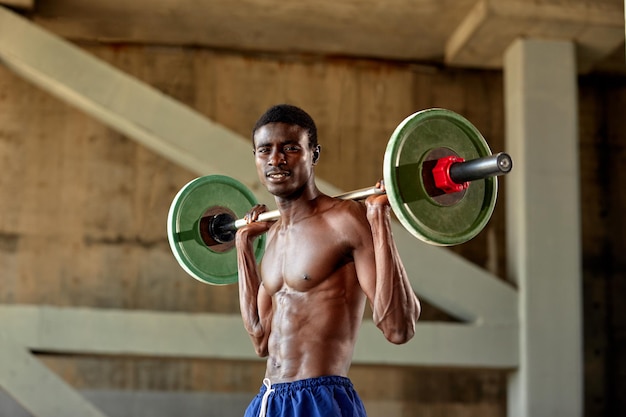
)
(324, 257)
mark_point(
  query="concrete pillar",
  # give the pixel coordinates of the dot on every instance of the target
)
(543, 226)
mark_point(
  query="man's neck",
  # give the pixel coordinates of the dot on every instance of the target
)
(296, 207)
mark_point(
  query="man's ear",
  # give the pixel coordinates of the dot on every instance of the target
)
(316, 154)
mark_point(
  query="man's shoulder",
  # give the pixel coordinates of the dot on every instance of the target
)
(344, 210)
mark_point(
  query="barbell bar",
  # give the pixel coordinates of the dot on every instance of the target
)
(222, 227)
(439, 175)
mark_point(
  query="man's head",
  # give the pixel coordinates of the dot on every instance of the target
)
(286, 150)
(292, 115)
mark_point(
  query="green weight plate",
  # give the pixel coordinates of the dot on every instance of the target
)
(210, 264)
(417, 137)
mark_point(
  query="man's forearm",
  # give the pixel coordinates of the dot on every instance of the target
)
(396, 308)
(249, 282)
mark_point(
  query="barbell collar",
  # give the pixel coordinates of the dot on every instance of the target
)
(221, 228)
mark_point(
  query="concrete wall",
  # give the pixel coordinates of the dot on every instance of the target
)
(84, 208)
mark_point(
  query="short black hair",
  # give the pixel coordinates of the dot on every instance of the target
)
(289, 114)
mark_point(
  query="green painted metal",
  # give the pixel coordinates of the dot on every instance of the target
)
(206, 264)
(421, 214)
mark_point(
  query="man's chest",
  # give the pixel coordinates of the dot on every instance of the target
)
(302, 258)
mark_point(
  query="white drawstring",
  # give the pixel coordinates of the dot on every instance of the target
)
(268, 391)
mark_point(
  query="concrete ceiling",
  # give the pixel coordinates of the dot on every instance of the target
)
(465, 33)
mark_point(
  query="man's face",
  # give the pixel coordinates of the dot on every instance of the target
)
(283, 157)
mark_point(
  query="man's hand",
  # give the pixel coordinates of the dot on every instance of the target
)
(254, 228)
(378, 199)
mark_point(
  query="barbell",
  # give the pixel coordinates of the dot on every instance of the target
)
(440, 178)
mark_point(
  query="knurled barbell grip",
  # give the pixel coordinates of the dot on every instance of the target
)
(481, 168)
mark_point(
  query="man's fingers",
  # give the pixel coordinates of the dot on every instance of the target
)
(255, 211)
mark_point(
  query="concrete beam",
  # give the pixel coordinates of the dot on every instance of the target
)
(596, 27)
(150, 333)
(37, 388)
(19, 4)
(120, 101)
(450, 282)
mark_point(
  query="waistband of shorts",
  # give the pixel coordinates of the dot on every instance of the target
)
(321, 381)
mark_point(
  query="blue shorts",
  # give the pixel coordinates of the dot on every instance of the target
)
(325, 396)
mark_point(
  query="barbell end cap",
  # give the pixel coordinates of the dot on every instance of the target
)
(504, 162)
